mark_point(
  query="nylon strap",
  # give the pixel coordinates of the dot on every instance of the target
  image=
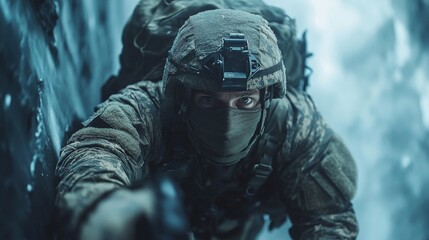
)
(262, 169)
(268, 148)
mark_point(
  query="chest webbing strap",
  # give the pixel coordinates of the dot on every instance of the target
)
(261, 171)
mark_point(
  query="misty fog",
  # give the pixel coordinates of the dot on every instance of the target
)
(370, 81)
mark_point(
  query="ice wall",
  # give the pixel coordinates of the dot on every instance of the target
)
(54, 56)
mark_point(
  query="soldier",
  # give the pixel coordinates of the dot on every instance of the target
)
(222, 125)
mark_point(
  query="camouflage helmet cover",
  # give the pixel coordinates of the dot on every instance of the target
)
(202, 35)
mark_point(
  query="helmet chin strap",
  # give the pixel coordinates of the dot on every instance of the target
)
(183, 97)
(267, 98)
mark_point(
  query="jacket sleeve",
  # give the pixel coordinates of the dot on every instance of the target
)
(317, 175)
(109, 153)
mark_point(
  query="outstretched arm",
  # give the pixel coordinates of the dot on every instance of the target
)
(103, 159)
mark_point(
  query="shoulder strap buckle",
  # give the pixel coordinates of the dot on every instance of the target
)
(262, 170)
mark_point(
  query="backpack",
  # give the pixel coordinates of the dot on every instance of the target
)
(149, 34)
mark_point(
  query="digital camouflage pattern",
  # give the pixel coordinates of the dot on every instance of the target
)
(313, 179)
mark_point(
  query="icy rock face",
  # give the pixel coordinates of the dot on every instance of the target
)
(54, 57)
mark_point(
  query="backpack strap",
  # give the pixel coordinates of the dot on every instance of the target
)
(262, 169)
(174, 137)
(267, 148)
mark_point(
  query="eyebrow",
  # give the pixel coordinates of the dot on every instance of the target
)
(244, 94)
(241, 94)
(205, 92)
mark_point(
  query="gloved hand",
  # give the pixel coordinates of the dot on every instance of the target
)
(116, 216)
(152, 212)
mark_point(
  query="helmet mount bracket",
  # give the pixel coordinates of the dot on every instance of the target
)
(233, 64)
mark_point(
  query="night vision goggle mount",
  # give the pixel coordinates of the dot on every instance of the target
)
(233, 64)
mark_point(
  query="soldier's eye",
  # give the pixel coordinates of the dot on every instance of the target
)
(246, 103)
(246, 100)
(206, 101)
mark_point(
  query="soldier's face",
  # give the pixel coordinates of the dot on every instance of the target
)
(246, 100)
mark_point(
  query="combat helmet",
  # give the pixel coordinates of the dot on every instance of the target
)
(225, 50)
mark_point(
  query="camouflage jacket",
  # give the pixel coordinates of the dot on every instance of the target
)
(313, 178)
